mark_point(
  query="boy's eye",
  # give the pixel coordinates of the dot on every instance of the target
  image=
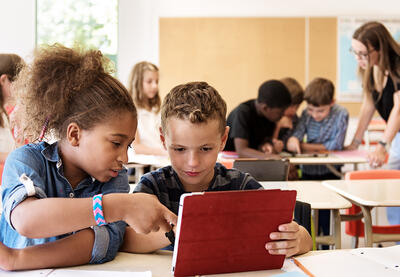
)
(205, 149)
(116, 143)
(179, 149)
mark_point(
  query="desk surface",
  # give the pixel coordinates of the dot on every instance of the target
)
(312, 192)
(159, 263)
(375, 193)
(337, 157)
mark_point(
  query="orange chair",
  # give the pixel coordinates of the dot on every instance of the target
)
(356, 228)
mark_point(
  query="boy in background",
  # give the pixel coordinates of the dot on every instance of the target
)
(252, 123)
(325, 125)
(194, 131)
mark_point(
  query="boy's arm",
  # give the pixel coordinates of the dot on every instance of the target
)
(143, 243)
(69, 251)
(292, 239)
(244, 151)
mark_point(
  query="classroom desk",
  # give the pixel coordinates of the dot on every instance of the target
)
(320, 198)
(355, 157)
(369, 194)
(159, 263)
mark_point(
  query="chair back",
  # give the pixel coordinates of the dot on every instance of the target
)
(264, 170)
(373, 174)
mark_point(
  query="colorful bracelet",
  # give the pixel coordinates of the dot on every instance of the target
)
(98, 210)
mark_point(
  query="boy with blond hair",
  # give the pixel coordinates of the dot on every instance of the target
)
(193, 130)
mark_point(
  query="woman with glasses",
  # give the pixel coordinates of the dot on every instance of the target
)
(378, 57)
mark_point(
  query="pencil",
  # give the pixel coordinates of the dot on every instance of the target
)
(305, 270)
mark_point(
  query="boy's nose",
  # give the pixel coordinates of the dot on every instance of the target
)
(123, 157)
(193, 160)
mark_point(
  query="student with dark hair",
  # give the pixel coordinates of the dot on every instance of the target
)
(253, 122)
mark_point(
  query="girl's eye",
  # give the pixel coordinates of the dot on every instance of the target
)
(179, 149)
(116, 144)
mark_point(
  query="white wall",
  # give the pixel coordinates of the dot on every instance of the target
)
(138, 20)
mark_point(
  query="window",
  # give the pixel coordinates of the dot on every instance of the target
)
(87, 23)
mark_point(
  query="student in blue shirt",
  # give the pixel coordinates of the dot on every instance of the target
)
(72, 194)
(325, 125)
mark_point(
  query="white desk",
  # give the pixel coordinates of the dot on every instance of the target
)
(320, 198)
(159, 263)
(355, 157)
(369, 194)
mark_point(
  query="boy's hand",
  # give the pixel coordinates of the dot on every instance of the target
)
(7, 257)
(147, 214)
(278, 145)
(285, 122)
(293, 145)
(267, 148)
(286, 241)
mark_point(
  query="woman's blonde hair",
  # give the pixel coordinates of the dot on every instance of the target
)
(135, 87)
(374, 34)
(64, 85)
(10, 65)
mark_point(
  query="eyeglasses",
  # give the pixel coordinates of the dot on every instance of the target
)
(361, 55)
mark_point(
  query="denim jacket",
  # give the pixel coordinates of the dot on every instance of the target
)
(42, 164)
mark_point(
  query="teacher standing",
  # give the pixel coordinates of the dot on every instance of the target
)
(378, 57)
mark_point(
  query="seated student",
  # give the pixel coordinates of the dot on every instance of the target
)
(253, 122)
(54, 214)
(288, 122)
(143, 86)
(194, 131)
(325, 125)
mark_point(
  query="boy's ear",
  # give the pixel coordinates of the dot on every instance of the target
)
(3, 79)
(162, 138)
(74, 133)
(224, 138)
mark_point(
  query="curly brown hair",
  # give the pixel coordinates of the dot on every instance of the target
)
(135, 87)
(64, 85)
(196, 101)
(10, 65)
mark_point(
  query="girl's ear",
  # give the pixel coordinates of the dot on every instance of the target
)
(74, 133)
(162, 138)
(224, 138)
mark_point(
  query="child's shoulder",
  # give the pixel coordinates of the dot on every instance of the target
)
(29, 150)
(233, 179)
(340, 109)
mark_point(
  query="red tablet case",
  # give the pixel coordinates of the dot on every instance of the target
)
(222, 232)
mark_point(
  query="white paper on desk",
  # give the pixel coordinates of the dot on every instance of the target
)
(387, 256)
(40, 272)
(344, 263)
(96, 273)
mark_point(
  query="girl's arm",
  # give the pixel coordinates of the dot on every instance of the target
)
(144, 149)
(3, 156)
(143, 243)
(366, 113)
(69, 251)
(56, 216)
(378, 157)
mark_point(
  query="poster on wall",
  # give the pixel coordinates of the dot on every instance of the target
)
(349, 88)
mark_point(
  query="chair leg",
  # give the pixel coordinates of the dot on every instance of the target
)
(354, 242)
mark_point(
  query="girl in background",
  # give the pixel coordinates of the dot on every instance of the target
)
(143, 86)
(53, 193)
(378, 58)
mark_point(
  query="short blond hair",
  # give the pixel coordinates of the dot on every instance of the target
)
(197, 102)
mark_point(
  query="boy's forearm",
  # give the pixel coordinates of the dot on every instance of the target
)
(143, 243)
(56, 216)
(312, 147)
(69, 251)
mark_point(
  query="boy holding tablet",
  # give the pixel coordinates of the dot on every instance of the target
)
(194, 131)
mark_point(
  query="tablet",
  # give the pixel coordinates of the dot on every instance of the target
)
(222, 232)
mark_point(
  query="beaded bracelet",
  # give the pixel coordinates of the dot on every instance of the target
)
(98, 210)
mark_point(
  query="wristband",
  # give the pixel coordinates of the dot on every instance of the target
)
(383, 144)
(98, 210)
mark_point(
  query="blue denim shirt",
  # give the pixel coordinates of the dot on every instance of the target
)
(42, 164)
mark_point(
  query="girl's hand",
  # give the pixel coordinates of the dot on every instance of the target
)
(146, 214)
(293, 145)
(286, 241)
(378, 157)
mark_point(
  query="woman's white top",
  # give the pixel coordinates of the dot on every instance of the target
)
(148, 127)
(7, 143)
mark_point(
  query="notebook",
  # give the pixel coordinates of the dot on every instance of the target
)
(222, 232)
